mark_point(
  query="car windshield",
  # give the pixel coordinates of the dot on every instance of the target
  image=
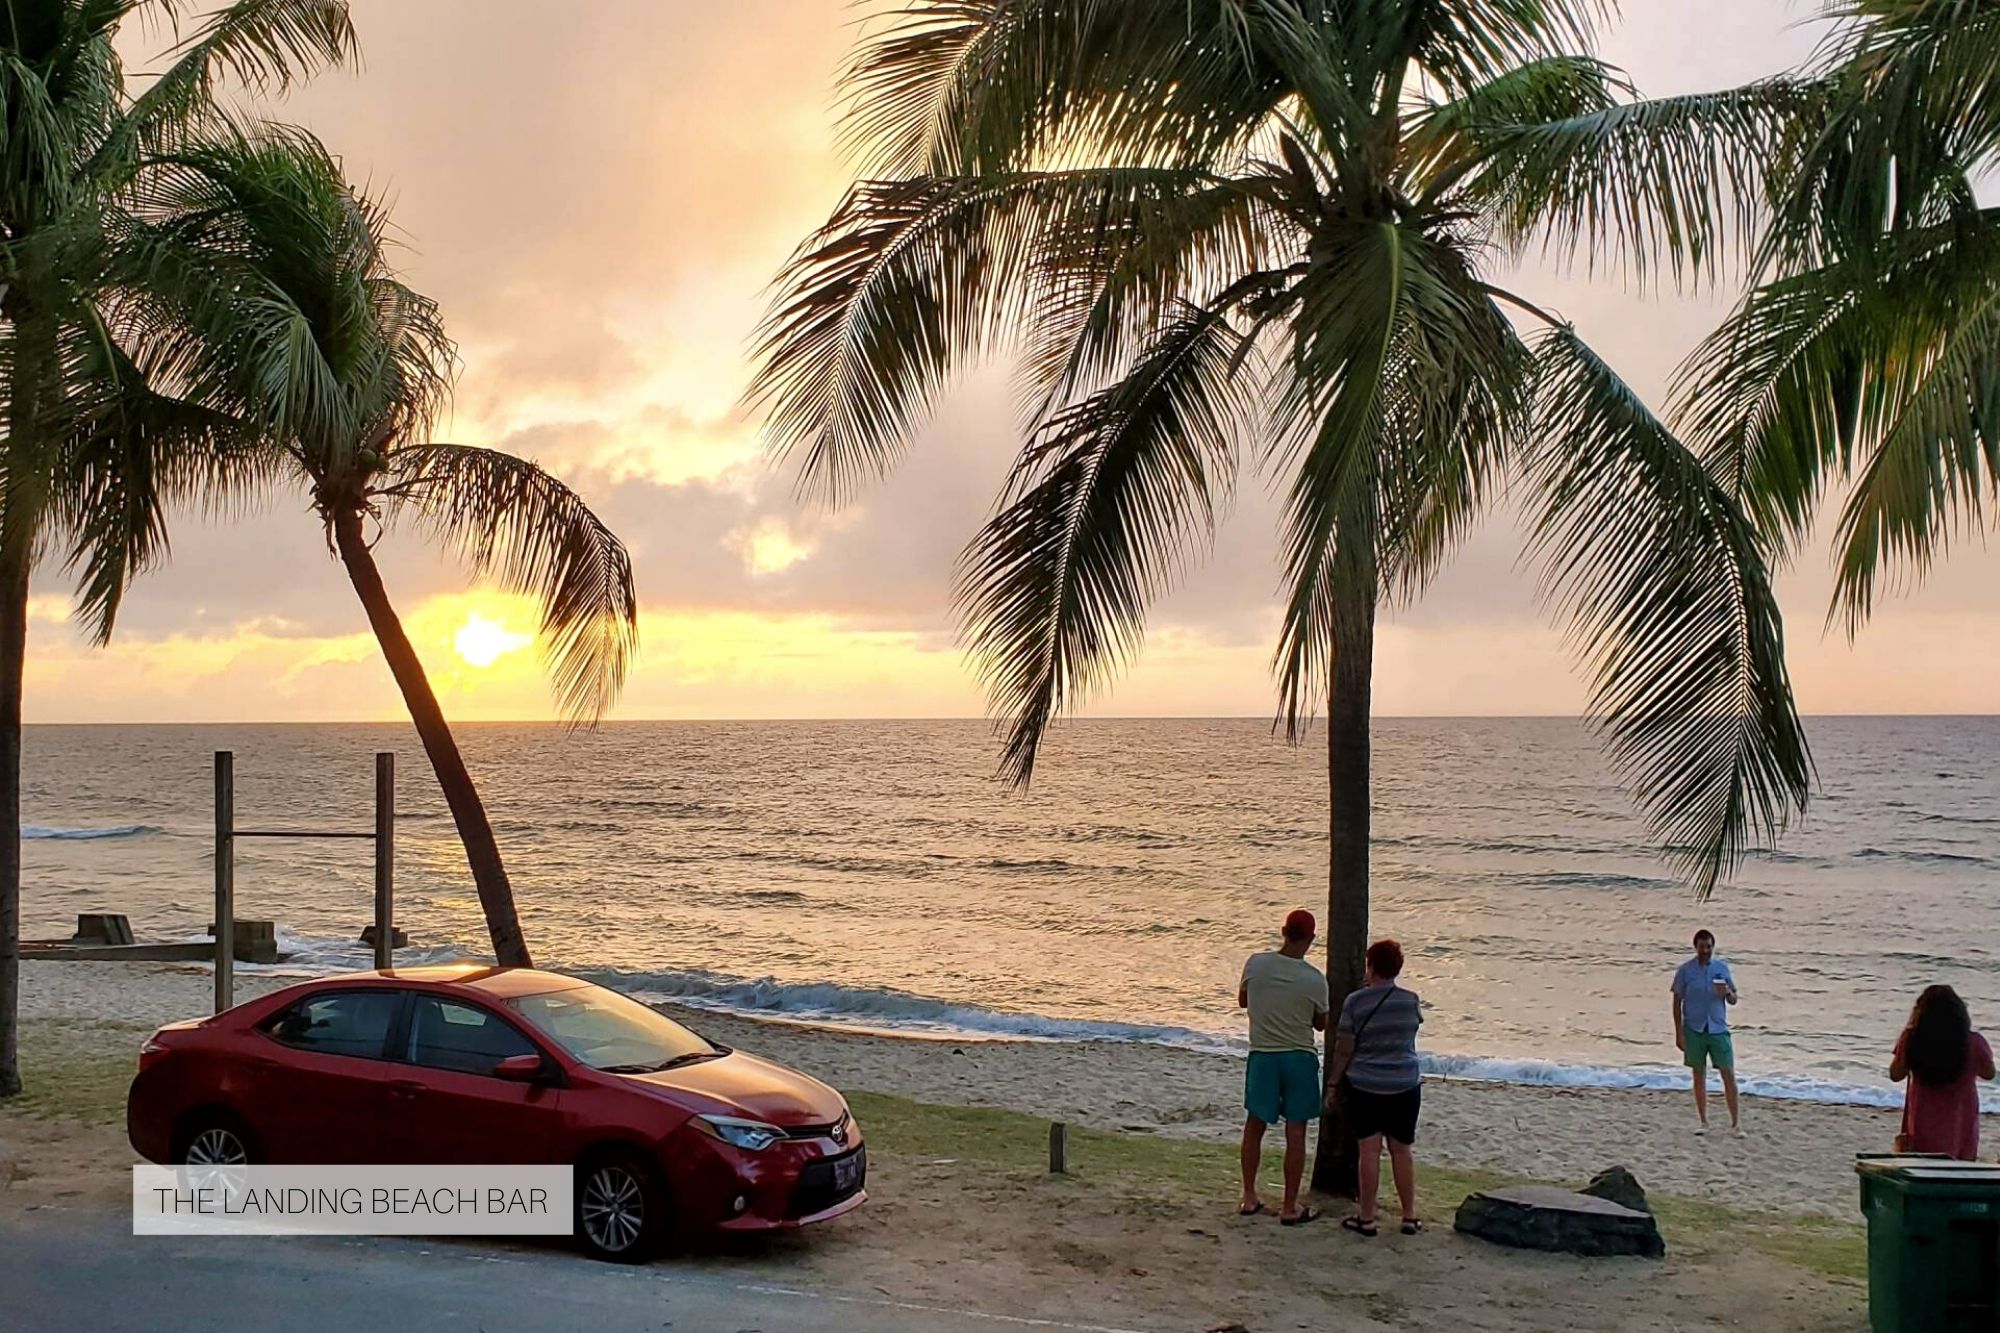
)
(607, 1031)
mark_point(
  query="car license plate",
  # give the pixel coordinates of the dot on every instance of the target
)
(847, 1173)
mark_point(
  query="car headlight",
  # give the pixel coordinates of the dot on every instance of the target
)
(750, 1135)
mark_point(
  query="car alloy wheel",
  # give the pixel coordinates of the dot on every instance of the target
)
(620, 1209)
(217, 1146)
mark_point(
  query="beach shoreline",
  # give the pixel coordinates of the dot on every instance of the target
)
(1797, 1157)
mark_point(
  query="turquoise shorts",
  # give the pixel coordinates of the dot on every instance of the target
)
(1282, 1086)
(1703, 1047)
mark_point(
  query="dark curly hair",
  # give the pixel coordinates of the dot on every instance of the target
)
(1940, 1036)
(1386, 958)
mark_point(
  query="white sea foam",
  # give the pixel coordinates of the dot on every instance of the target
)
(894, 1012)
(44, 832)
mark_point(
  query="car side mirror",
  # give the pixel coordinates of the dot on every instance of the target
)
(519, 1069)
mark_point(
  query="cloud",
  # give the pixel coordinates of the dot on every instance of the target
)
(598, 196)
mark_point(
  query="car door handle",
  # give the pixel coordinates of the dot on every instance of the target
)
(263, 1064)
(405, 1088)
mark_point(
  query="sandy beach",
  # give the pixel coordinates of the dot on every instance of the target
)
(1143, 1238)
(1796, 1157)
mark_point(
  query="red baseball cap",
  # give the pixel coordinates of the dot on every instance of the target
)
(1299, 924)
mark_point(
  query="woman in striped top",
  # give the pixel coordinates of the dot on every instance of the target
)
(1375, 1075)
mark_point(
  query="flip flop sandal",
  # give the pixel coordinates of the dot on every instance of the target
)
(1357, 1226)
(1250, 1212)
(1412, 1225)
(1305, 1215)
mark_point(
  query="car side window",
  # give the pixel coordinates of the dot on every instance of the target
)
(462, 1037)
(341, 1023)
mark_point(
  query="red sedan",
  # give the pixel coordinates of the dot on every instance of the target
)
(667, 1130)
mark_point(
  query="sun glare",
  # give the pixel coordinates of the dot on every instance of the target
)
(483, 642)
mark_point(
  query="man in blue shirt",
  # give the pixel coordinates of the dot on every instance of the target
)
(1703, 991)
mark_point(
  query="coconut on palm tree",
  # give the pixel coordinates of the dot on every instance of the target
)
(1865, 361)
(271, 300)
(1273, 234)
(91, 452)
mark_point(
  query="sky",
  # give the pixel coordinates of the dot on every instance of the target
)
(598, 195)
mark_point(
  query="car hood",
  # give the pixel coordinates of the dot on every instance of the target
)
(747, 1085)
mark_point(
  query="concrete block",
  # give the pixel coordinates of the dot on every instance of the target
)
(398, 937)
(102, 928)
(256, 941)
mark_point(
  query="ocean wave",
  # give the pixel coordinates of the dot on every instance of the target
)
(1394, 872)
(34, 832)
(894, 1012)
(1920, 858)
(883, 1009)
(1036, 865)
(1783, 1087)
(308, 955)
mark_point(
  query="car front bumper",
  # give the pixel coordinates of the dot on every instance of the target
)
(792, 1184)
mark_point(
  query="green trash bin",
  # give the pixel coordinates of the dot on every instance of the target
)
(1933, 1244)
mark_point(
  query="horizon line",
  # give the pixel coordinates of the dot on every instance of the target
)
(1112, 717)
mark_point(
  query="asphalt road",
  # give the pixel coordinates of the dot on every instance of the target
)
(91, 1275)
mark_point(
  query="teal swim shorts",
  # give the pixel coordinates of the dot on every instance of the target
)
(1282, 1086)
(1703, 1047)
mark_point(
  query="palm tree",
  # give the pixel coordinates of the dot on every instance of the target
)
(91, 452)
(270, 300)
(1269, 232)
(1865, 359)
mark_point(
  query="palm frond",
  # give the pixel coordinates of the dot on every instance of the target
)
(131, 455)
(1933, 465)
(1873, 362)
(908, 282)
(1445, 140)
(1467, 44)
(1770, 398)
(1054, 589)
(1663, 582)
(272, 295)
(264, 46)
(1106, 280)
(1408, 390)
(510, 520)
(1670, 185)
(958, 87)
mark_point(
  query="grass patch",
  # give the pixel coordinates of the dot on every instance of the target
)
(77, 1071)
(1013, 1144)
(1149, 1170)
(1822, 1245)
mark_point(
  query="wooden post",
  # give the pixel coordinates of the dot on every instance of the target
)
(225, 880)
(385, 859)
(1058, 1149)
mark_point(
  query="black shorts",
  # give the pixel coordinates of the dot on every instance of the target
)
(1390, 1113)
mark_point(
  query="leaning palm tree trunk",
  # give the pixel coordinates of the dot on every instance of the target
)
(1349, 692)
(475, 831)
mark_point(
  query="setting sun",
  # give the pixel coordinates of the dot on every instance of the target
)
(483, 642)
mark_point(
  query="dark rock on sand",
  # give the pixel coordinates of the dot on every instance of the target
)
(1621, 1187)
(1537, 1217)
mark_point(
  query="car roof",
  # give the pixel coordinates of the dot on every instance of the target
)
(498, 982)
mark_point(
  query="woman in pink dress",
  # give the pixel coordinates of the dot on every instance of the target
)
(1943, 1058)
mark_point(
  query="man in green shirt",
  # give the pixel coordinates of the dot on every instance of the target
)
(1287, 1000)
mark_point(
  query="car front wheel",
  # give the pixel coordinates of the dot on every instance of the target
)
(621, 1210)
(213, 1139)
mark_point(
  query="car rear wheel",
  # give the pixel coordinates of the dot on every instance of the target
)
(213, 1138)
(622, 1213)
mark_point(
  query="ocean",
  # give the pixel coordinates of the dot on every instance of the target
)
(876, 874)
